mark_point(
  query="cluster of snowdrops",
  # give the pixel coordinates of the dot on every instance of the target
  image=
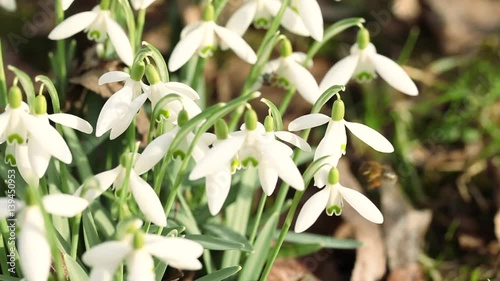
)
(178, 133)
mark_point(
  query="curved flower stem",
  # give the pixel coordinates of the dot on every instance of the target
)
(198, 76)
(286, 100)
(260, 210)
(141, 17)
(75, 235)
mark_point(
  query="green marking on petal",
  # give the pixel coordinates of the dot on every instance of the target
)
(262, 23)
(235, 165)
(94, 35)
(335, 209)
(179, 154)
(364, 77)
(15, 137)
(163, 114)
(10, 159)
(343, 147)
(283, 83)
(295, 8)
(207, 51)
(250, 160)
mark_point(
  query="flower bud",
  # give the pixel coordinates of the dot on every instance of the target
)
(363, 38)
(125, 159)
(269, 123)
(137, 71)
(104, 4)
(152, 74)
(40, 105)
(251, 120)
(221, 130)
(333, 176)
(15, 97)
(182, 118)
(139, 240)
(286, 48)
(209, 12)
(338, 110)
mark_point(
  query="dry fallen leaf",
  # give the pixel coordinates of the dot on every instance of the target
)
(289, 269)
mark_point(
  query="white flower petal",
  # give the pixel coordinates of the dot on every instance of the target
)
(290, 20)
(181, 88)
(153, 153)
(242, 18)
(72, 25)
(268, 177)
(72, 121)
(34, 249)
(9, 5)
(311, 210)
(24, 165)
(303, 80)
(186, 48)
(103, 180)
(361, 204)
(236, 43)
(393, 74)
(310, 12)
(107, 255)
(370, 137)
(38, 158)
(147, 200)
(293, 139)
(66, 4)
(48, 137)
(217, 157)
(283, 164)
(190, 27)
(308, 121)
(113, 77)
(177, 252)
(64, 205)
(112, 111)
(340, 73)
(218, 185)
(120, 41)
(126, 119)
(4, 121)
(99, 273)
(140, 266)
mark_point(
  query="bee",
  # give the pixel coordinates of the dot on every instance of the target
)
(270, 79)
(375, 173)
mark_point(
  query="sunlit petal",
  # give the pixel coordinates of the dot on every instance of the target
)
(38, 157)
(242, 18)
(120, 41)
(268, 177)
(311, 210)
(147, 200)
(24, 165)
(218, 185)
(107, 255)
(340, 73)
(71, 121)
(103, 182)
(127, 118)
(112, 111)
(303, 80)
(72, 25)
(293, 139)
(393, 74)
(361, 204)
(236, 43)
(370, 137)
(181, 88)
(64, 205)
(187, 46)
(310, 12)
(177, 252)
(308, 121)
(113, 77)
(154, 152)
(140, 266)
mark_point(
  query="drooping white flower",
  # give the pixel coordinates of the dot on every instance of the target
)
(98, 24)
(310, 13)
(136, 250)
(202, 38)
(363, 64)
(34, 249)
(334, 142)
(252, 145)
(9, 5)
(121, 108)
(332, 199)
(142, 192)
(289, 72)
(261, 13)
(141, 4)
(66, 4)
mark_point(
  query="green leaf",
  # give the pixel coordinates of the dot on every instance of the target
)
(298, 250)
(227, 233)
(275, 113)
(324, 241)
(27, 84)
(79, 158)
(75, 271)
(221, 274)
(9, 278)
(159, 61)
(215, 243)
(90, 235)
(331, 32)
(54, 96)
(255, 262)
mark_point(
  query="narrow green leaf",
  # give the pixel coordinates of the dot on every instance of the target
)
(215, 243)
(27, 84)
(324, 241)
(75, 271)
(275, 113)
(90, 235)
(298, 250)
(221, 274)
(79, 158)
(225, 232)
(159, 61)
(9, 278)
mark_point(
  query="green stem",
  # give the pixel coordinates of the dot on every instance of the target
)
(197, 77)
(61, 56)
(260, 210)
(3, 84)
(75, 235)
(286, 100)
(141, 17)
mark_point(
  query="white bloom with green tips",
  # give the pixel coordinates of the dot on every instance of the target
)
(309, 12)
(363, 64)
(332, 199)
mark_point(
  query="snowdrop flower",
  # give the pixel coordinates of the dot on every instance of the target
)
(290, 72)
(137, 251)
(159, 89)
(39, 155)
(310, 13)
(143, 193)
(332, 199)
(261, 13)
(141, 4)
(363, 64)
(34, 249)
(121, 108)
(66, 4)
(98, 24)
(253, 146)
(9, 5)
(334, 142)
(202, 37)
